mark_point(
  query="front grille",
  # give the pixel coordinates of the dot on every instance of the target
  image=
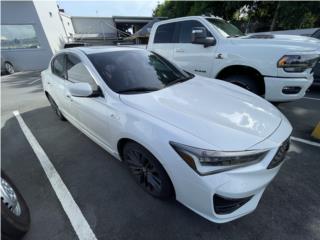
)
(223, 205)
(281, 153)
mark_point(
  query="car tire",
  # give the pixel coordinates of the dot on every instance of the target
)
(147, 171)
(9, 68)
(15, 214)
(56, 108)
(245, 81)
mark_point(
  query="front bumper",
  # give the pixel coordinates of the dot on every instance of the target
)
(236, 184)
(245, 184)
(274, 88)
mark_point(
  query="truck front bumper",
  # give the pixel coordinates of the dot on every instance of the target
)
(286, 89)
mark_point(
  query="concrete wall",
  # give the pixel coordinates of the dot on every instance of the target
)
(15, 13)
(45, 19)
(51, 22)
(68, 26)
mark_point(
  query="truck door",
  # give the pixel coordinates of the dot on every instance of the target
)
(194, 58)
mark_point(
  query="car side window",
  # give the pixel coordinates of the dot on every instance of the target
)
(165, 33)
(77, 71)
(186, 30)
(57, 66)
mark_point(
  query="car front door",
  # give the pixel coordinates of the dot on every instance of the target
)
(194, 58)
(89, 113)
(56, 80)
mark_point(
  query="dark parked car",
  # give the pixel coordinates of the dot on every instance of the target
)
(15, 215)
(316, 69)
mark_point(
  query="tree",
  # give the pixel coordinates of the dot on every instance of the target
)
(263, 15)
(172, 9)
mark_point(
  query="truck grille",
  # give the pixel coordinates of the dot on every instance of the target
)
(281, 153)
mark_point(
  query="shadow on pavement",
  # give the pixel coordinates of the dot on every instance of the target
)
(24, 80)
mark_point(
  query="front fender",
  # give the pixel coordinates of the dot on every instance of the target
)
(261, 59)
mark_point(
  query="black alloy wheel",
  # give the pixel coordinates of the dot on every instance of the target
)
(147, 171)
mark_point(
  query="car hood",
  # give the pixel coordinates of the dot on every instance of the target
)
(224, 115)
(288, 42)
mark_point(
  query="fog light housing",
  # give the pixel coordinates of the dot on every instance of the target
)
(291, 90)
(224, 205)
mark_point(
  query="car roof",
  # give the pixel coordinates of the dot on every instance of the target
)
(101, 49)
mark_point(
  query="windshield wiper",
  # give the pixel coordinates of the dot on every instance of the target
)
(138, 89)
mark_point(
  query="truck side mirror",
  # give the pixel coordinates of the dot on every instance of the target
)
(199, 36)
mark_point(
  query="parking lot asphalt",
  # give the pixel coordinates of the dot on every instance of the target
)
(114, 205)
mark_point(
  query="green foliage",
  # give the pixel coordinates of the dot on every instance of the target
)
(267, 15)
(174, 9)
(289, 15)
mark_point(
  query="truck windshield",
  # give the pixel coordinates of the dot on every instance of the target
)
(225, 28)
(136, 71)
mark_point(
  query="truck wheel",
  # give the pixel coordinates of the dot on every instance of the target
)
(15, 215)
(246, 82)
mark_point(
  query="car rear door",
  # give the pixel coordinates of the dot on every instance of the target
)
(194, 58)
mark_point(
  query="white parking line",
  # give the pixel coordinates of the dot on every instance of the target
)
(311, 98)
(305, 141)
(34, 81)
(78, 221)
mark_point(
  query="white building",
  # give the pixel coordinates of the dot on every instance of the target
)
(31, 32)
(102, 30)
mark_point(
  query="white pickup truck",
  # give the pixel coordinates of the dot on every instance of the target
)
(277, 67)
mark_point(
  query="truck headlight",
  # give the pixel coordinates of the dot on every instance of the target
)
(297, 63)
(206, 162)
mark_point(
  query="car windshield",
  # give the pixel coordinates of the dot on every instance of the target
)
(136, 71)
(225, 28)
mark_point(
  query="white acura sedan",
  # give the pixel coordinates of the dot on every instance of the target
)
(210, 144)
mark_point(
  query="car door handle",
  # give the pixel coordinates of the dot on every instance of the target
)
(179, 50)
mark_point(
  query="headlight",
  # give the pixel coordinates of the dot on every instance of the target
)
(206, 162)
(297, 63)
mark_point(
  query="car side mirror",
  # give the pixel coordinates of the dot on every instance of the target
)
(80, 89)
(199, 36)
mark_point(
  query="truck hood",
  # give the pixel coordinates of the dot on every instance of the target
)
(224, 115)
(289, 42)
